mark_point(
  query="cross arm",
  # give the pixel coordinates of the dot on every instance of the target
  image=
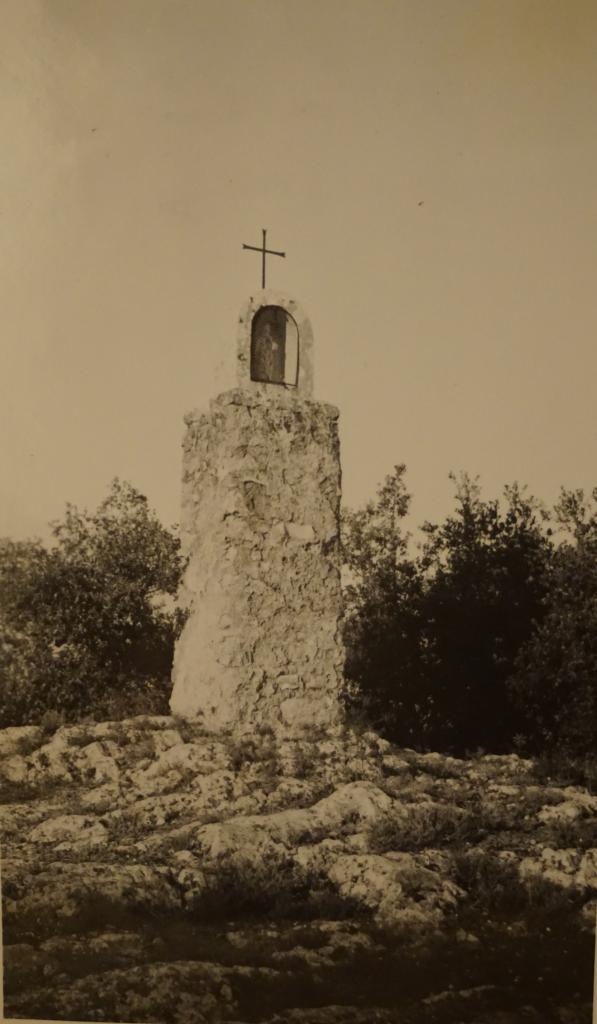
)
(257, 248)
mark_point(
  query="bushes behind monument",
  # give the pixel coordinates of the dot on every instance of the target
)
(481, 635)
(484, 633)
(85, 625)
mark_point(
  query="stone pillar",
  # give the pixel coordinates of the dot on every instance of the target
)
(260, 525)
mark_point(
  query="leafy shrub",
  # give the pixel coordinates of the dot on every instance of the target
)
(84, 629)
(555, 675)
(493, 884)
(280, 890)
(485, 636)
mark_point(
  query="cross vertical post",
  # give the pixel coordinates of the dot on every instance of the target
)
(263, 250)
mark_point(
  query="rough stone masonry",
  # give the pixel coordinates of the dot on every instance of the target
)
(260, 526)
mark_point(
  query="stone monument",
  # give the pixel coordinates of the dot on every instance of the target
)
(260, 527)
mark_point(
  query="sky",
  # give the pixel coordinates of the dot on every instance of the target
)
(430, 169)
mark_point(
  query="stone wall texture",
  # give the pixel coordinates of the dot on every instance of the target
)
(260, 524)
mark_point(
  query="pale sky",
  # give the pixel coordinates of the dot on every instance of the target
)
(430, 168)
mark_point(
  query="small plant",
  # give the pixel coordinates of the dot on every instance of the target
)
(565, 770)
(189, 730)
(144, 748)
(475, 754)
(50, 723)
(445, 770)
(258, 749)
(520, 744)
(424, 825)
(265, 731)
(350, 825)
(178, 842)
(357, 720)
(122, 827)
(121, 736)
(28, 744)
(279, 889)
(304, 758)
(141, 725)
(241, 752)
(313, 733)
(17, 792)
(23, 792)
(580, 834)
(494, 885)
(82, 739)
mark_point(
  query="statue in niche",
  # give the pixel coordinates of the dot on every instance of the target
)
(268, 345)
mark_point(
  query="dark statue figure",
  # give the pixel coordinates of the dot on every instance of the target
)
(268, 345)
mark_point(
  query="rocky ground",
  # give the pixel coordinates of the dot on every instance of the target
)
(154, 873)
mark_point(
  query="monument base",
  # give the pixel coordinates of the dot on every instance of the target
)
(260, 527)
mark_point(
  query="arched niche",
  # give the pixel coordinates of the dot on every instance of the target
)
(275, 346)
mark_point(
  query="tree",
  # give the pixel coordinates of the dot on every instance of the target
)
(486, 569)
(382, 629)
(432, 636)
(84, 624)
(555, 677)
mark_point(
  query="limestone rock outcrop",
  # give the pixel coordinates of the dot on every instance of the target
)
(288, 878)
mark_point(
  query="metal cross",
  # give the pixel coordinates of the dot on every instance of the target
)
(263, 251)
